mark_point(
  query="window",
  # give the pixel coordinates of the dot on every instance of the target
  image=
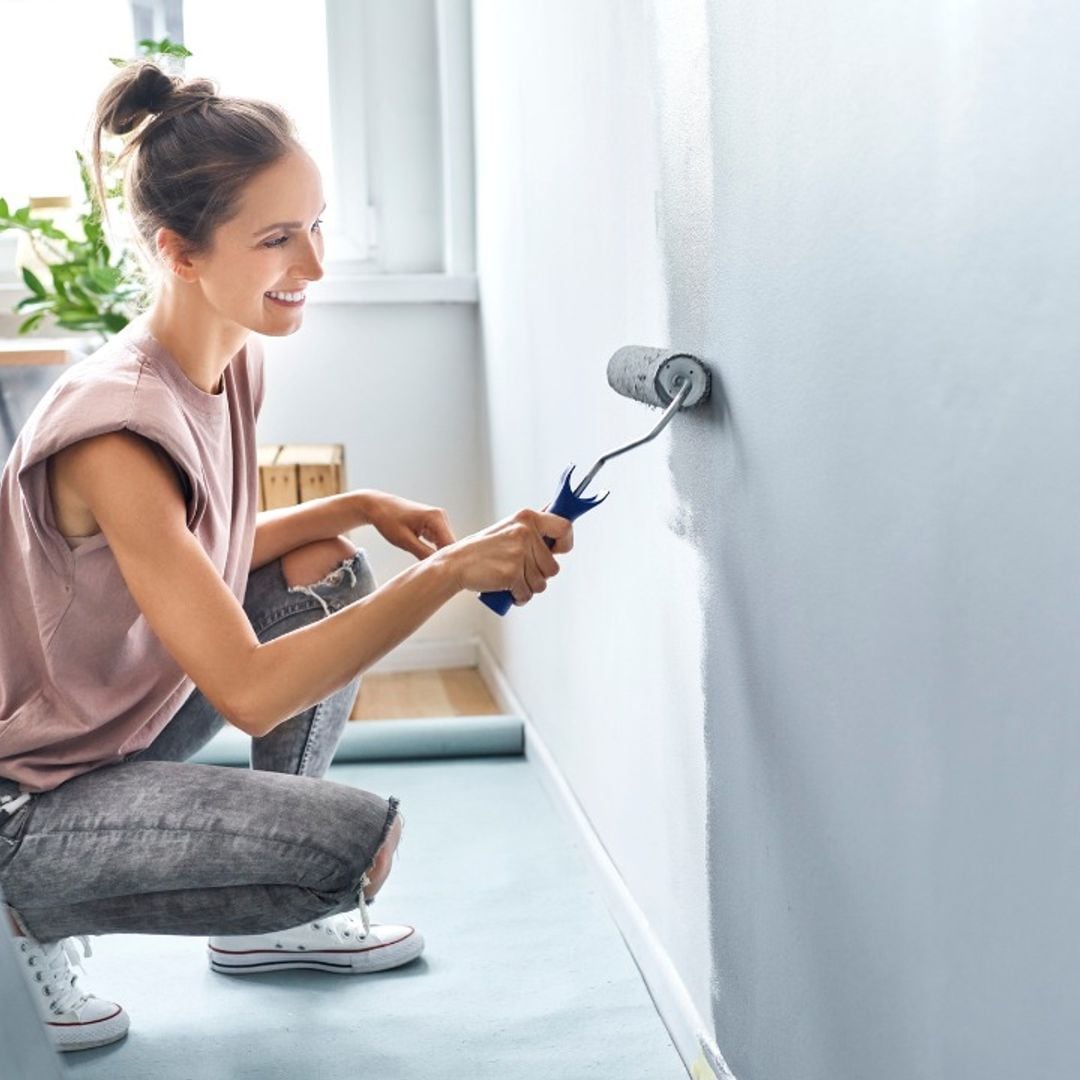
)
(379, 91)
(56, 63)
(277, 50)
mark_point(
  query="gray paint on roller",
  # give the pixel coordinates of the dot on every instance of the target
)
(633, 371)
(657, 376)
(877, 249)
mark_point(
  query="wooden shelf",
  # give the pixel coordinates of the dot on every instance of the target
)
(40, 351)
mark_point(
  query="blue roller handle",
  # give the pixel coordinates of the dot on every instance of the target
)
(566, 504)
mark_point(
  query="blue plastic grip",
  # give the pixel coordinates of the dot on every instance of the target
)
(566, 504)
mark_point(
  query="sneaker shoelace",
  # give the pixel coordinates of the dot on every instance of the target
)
(61, 983)
(345, 926)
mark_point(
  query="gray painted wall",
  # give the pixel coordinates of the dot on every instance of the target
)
(895, 597)
(865, 219)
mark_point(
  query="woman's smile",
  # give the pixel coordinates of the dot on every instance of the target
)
(287, 299)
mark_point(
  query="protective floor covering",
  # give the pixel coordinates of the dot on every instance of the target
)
(524, 974)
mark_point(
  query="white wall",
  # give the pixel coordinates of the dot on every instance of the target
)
(825, 632)
(606, 662)
(399, 385)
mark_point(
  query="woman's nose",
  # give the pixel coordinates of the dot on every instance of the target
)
(312, 265)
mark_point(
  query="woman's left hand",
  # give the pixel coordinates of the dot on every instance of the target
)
(411, 526)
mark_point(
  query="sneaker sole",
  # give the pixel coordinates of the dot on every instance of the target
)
(336, 961)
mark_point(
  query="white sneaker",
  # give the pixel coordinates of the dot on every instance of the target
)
(346, 943)
(76, 1020)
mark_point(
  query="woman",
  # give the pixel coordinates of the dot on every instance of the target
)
(145, 605)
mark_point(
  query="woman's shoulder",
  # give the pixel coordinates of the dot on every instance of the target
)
(112, 388)
(110, 384)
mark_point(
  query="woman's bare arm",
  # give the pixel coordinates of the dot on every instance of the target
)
(288, 527)
(138, 504)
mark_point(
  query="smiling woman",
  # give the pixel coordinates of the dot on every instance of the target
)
(138, 588)
(184, 610)
(226, 204)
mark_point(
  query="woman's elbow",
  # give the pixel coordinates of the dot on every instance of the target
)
(248, 714)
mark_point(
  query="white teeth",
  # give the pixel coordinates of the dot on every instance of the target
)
(291, 296)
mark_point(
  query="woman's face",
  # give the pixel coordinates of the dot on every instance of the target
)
(274, 245)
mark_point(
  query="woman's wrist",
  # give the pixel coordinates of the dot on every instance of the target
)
(361, 504)
(448, 562)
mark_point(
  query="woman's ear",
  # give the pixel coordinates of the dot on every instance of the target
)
(171, 250)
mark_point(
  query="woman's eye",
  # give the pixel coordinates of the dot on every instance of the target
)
(282, 239)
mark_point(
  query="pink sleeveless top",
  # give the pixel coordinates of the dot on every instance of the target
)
(84, 681)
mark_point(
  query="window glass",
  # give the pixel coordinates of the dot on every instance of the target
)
(55, 64)
(274, 50)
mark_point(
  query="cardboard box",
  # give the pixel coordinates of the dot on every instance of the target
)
(295, 473)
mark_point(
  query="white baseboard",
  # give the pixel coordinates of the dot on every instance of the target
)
(496, 682)
(696, 1047)
(428, 655)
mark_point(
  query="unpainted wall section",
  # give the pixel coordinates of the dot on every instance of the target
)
(607, 661)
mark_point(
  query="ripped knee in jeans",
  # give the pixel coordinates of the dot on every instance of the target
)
(333, 579)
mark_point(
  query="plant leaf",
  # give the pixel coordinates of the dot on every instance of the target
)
(80, 294)
(80, 322)
(32, 282)
(30, 304)
(165, 47)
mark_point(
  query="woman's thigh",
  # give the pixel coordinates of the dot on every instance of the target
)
(180, 848)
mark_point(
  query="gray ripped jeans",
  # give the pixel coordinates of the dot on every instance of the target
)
(159, 845)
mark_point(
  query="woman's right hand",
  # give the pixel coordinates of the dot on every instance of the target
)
(512, 554)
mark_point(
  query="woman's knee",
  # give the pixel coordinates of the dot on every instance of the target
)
(310, 563)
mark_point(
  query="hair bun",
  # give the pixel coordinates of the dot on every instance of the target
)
(143, 90)
(151, 89)
(147, 91)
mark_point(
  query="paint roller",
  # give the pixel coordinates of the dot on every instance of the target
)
(662, 378)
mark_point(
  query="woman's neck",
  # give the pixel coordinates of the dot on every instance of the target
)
(196, 337)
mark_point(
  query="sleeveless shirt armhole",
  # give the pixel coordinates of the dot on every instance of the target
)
(170, 442)
(186, 488)
(194, 493)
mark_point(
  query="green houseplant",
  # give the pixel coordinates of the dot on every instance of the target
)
(92, 287)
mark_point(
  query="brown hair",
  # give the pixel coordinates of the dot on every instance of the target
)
(186, 168)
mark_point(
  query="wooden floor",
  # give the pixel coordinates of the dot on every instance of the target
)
(414, 694)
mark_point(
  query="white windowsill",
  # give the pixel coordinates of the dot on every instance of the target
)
(351, 289)
(340, 288)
